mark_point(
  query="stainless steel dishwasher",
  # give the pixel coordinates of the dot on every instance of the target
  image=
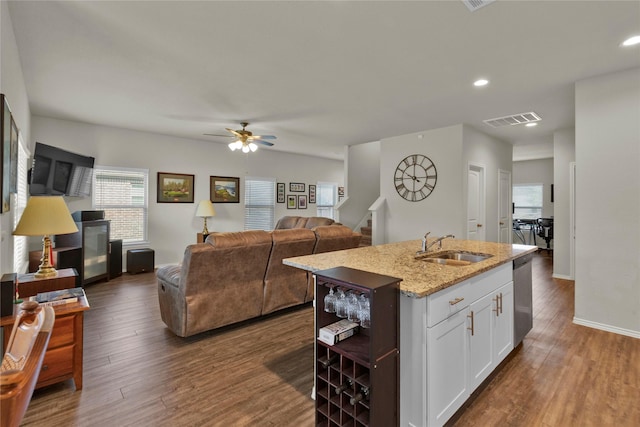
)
(522, 296)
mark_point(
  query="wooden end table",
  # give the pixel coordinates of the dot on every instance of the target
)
(29, 286)
(63, 359)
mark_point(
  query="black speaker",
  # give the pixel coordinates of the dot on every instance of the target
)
(140, 260)
(115, 258)
(80, 216)
(7, 294)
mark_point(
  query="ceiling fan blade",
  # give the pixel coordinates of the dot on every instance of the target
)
(259, 141)
(239, 135)
(264, 137)
(214, 134)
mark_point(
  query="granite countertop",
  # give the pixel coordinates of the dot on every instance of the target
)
(419, 278)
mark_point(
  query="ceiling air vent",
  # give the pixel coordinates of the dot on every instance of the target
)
(515, 119)
(474, 5)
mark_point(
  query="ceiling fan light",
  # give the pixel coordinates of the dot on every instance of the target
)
(245, 148)
(253, 147)
(232, 146)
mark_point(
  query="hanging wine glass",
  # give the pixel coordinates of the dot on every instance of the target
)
(330, 302)
(352, 307)
(341, 304)
(364, 314)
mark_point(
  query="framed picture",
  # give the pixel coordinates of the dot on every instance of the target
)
(302, 202)
(340, 191)
(296, 187)
(175, 188)
(312, 193)
(280, 192)
(224, 189)
(5, 155)
(292, 201)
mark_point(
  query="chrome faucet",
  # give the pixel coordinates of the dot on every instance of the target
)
(425, 247)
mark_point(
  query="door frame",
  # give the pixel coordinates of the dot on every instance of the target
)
(509, 205)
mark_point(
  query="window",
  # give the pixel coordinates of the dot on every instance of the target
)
(259, 203)
(122, 194)
(20, 244)
(326, 199)
(527, 200)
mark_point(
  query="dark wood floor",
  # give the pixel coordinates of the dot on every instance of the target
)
(260, 373)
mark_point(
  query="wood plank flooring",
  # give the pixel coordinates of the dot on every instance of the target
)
(260, 373)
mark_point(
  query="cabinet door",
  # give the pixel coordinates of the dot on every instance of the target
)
(95, 244)
(503, 323)
(447, 362)
(481, 349)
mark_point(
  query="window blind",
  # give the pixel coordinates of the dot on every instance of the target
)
(527, 201)
(122, 194)
(326, 199)
(20, 245)
(259, 203)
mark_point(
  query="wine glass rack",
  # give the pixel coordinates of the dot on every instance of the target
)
(357, 379)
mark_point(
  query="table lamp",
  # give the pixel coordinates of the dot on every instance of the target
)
(44, 216)
(205, 210)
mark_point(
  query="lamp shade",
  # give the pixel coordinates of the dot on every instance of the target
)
(205, 209)
(45, 215)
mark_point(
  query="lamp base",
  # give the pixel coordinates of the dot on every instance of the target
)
(205, 231)
(45, 272)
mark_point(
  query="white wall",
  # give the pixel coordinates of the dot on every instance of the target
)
(444, 211)
(538, 171)
(607, 294)
(12, 85)
(362, 165)
(173, 226)
(564, 149)
(493, 155)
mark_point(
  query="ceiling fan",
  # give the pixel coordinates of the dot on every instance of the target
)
(245, 140)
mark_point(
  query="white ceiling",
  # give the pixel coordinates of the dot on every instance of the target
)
(319, 75)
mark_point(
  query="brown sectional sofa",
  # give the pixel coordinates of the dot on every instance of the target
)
(237, 276)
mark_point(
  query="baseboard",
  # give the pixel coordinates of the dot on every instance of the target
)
(607, 328)
(562, 276)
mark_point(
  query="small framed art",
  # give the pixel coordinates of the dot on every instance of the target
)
(175, 188)
(296, 187)
(312, 193)
(292, 201)
(302, 202)
(280, 192)
(224, 189)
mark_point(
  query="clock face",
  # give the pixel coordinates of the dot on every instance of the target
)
(415, 177)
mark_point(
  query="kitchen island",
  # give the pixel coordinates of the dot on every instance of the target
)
(456, 321)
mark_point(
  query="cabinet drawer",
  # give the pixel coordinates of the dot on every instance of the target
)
(447, 302)
(490, 281)
(57, 362)
(62, 333)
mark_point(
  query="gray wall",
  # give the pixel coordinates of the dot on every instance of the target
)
(564, 153)
(607, 294)
(362, 165)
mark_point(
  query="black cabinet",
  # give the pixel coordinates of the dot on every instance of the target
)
(93, 238)
(357, 379)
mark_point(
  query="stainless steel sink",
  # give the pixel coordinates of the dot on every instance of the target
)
(458, 258)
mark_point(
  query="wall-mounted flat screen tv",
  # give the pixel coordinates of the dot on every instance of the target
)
(58, 172)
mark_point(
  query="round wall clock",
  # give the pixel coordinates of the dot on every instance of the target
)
(415, 177)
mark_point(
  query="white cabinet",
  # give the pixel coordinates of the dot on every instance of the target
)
(452, 342)
(480, 335)
(447, 362)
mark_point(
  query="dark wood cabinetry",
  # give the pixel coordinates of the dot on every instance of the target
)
(357, 379)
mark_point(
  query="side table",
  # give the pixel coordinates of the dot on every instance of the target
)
(29, 286)
(63, 359)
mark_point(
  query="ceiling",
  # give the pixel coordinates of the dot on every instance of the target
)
(318, 74)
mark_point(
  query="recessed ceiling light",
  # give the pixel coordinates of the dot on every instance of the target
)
(481, 82)
(530, 125)
(631, 41)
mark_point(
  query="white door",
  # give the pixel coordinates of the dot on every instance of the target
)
(504, 206)
(475, 203)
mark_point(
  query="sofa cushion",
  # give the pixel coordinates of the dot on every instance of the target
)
(315, 221)
(285, 286)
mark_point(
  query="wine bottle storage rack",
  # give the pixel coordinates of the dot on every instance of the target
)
(357, 379)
